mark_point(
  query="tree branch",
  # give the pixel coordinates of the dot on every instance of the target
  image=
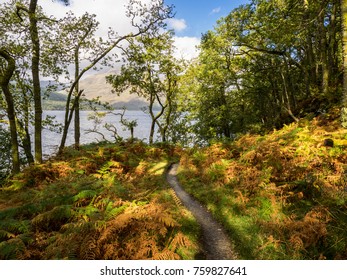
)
(274, 52)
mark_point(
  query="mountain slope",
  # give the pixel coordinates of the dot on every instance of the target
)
(95, 86)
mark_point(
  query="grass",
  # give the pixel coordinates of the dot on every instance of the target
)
(280, 196)
(102, 202)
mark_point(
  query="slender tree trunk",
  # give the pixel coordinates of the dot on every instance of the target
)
(333, 46)
(27, 146)
(77, 108)
(344, 38)
(310, 69)
(286, 99)
(167, 119)
(324, 54)
(23, 123)
(69, 113)
(4, 83)
(13, 130)
(154, 117)
(35, 67)
(26, 138)
(26, 141)
(151, 132)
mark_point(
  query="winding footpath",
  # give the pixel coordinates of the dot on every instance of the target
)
(216, 244)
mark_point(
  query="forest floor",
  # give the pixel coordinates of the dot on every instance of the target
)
(104, 201)
(281, 195)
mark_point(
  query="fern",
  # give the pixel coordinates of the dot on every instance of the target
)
(180, 240)
(15, 226)
(12, 249)
(87, 213)
(84, 196)
(53, 219)
(76, 227)
(89, 249)
(5, 235)
(111, 212)
(166, 255)
(76, 216)
(177, 201)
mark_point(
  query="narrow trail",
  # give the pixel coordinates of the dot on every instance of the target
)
(216, 244)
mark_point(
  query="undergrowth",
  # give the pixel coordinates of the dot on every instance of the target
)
(101, 202)
(280, 196)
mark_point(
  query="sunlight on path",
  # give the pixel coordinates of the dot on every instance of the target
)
(215, 242)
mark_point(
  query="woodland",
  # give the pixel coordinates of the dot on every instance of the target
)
(257, 122)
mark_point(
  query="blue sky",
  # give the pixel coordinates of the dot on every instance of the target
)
(201, 15)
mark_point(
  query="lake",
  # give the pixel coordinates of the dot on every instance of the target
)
(51, 140)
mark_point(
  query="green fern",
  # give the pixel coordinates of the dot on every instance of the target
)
(53, 218)
(12, 249)
(5, 235)
(111, 212)
(84, 195)
(15, 226)
(88, 212)
(76, 227)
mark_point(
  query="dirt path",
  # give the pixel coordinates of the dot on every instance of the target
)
(216, 243)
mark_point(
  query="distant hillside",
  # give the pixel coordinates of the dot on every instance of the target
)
(95, 86)
(53, 101)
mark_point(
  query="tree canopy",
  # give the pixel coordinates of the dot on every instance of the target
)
(267, 63)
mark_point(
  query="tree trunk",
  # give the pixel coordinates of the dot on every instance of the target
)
(151, 132)
(69, 113)
(4, 83)
(77, 108)
(13, 129)
(35, 68)
(323, 54)
(23, 132)
(344, 38)
(77, 126)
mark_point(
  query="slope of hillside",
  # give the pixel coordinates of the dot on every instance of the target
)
(281, 195)
(95, 86)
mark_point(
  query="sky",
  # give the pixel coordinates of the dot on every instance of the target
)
(192, 17)
(198, 16)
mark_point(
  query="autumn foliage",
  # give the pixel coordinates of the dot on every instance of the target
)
(282, 195)
(102, 202)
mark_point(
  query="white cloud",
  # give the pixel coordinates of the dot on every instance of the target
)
(109, 13)
(177, 24)
(186, 47)
(216, 10)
